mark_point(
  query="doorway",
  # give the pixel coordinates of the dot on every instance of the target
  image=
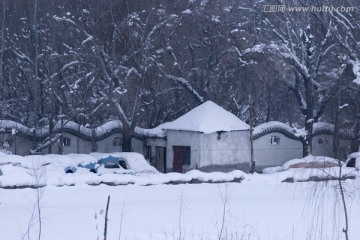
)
(181, 157)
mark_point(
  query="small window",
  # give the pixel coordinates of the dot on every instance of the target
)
(66, 142)
(274, 140)
(117, 141)
(322, 140)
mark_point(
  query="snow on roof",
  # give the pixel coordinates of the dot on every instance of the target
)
(207, 118)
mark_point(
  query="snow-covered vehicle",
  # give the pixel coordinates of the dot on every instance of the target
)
(108, 164)
(118, 163)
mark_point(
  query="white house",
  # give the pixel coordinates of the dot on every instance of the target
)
(207, 137)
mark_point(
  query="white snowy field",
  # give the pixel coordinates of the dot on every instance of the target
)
(260, 207)
(145, 205)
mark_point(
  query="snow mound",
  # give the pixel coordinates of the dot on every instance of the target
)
(15, 176)
(270, 170)
(207, 118)
(316, 174)
(310, 168)
(311, 162)
(315, 162)
(49, 170)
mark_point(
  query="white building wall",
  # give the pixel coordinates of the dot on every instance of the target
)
(137, 145)
(267, 154)
(325, 148)
(77, 145)
(225, 148)
(322, 145)
(106, 145)
(183, 138)
(16, 144)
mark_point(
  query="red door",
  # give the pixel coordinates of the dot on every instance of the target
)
(179, 155)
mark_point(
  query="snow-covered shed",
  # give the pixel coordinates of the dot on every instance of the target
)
(274, 144)
(209, 138)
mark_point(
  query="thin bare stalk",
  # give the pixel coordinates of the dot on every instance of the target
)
(106, 217)
(180, 216)
(224, 199)
(344, 206)
(121, 219)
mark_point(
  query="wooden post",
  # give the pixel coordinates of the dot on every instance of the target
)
(106, 217)
(251, 136)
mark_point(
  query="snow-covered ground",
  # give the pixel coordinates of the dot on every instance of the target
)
(258, 208)
(261, 206)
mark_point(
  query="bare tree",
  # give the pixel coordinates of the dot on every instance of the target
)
(304, 42)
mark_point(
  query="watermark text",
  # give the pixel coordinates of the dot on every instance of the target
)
(284, 8)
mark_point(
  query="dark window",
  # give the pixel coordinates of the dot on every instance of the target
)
(322, 140)
(66, 141)
(117, 141)
(274, 140)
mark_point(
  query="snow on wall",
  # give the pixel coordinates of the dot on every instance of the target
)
(81, 131)
(8, 124)
(294, 133)
(275, 126)
(158, 131)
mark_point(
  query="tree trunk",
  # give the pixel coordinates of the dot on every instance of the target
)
(355, 141)
(126, 139)
(2, 49)
(309, 117)
(36, 85)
